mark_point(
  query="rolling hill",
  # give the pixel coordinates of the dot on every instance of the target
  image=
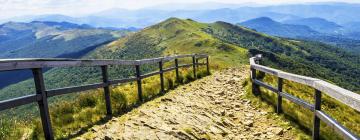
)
(271, 27)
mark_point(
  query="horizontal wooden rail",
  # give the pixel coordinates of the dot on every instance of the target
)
(297, 101)
(119, 81)
(11, 103)
(14, 64)
(344, 96)
(60, 91)
(36, 65)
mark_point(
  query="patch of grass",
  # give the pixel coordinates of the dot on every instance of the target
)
(170, 83)
(189, 77)
(86, 100)
(180, 79)
(9, 128)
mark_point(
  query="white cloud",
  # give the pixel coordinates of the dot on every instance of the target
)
(11, 8)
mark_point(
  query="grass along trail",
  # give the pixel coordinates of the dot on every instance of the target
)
(213, 107)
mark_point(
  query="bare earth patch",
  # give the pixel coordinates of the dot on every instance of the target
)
(213, 107)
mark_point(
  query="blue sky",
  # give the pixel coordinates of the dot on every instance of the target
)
(11, 8)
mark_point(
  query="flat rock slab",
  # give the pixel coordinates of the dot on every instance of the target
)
(213, 107)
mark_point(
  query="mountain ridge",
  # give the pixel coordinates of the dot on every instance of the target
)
(269, 26)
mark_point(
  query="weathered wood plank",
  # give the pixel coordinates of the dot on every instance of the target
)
(185, 65)
(14, 64)
(150, 74)
(345, 133)
(43, 103)
(297, 100)
(345, 96)
(118, 81)
(265, 69)
(11, 103)
(269, 87)
(60, 91)
(169, 69)
(297, 78)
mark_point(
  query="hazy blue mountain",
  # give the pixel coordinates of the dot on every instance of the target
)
(318, 24)
(335, 12)
(49, 39)
(269, 26)
(352, 26)
(339, 13)
(47, 17)
(347, 40)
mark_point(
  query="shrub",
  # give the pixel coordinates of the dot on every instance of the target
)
(37, 133)
(118, 102)
(62, 108)
(62, 113)
(189, 77)
(201, 73)
(179, 80)
(6, 127)
(66, 119)
(87, 100)
(170, 83)
(86, 115)
(150, 90)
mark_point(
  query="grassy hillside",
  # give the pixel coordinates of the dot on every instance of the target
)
(228, 46)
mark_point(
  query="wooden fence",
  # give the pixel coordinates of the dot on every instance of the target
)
(345, 96)
(37, 65)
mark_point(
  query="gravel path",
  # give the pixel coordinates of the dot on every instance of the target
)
(213, 107)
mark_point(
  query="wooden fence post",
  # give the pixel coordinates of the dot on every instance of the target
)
(138, 74)
(316, 123)
(279, 97)
(43, 104)
(255, 87)
(105, 77)
(177, 69)
(207, 65)
(197, 62)
(194, 66)
(161, 77)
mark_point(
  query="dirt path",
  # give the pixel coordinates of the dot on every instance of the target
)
(210, 108)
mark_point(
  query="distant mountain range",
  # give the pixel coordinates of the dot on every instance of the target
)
(315, 29)
(50, 39)
(340, 13)
(39, 39)
(271, 27)
(318, 24)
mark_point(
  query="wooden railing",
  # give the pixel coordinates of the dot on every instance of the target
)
(344, 96)
(37, 65)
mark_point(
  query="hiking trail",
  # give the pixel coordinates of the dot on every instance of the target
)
(213, 107)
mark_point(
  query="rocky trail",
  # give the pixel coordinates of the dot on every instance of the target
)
(213, 107)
